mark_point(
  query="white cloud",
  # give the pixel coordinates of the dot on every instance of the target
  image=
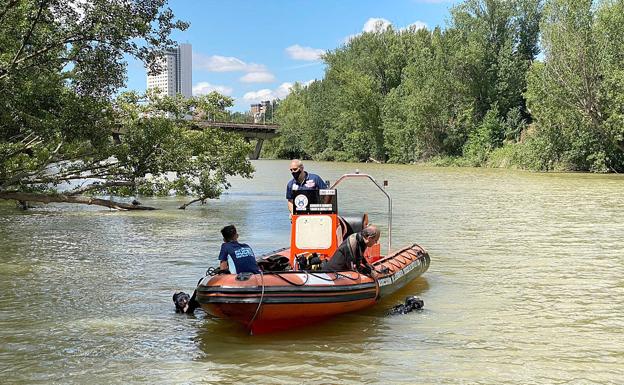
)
(298, 52)
(283, 90)
(256, 96)
(216, 63)
(203, 88)
(375, 24)
(266, 94)
(304, 65)
(258, 77)
(416, 26)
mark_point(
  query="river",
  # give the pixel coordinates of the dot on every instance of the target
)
(526, 285)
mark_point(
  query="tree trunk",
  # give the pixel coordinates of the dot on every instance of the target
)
(61, 198)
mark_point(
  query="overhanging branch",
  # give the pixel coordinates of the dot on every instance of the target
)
(97, 186)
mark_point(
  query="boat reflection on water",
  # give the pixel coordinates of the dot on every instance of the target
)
(295, 289)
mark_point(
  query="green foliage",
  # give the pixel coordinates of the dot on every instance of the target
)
(291, 118)
(60, 64)
(415, 95)
(575, 95)
(427, 115)
(485, 138)
(510, 155)
(161, 155)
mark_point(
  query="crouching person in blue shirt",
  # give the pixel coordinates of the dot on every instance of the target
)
(237, 257)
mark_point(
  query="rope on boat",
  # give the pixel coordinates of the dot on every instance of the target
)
(391, 262)
(259, 303)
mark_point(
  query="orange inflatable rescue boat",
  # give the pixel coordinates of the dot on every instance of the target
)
(292, 289)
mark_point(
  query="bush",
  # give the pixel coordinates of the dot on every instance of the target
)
(487, 137)
(508, 156)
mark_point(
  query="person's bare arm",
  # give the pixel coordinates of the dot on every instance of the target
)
(223, 265)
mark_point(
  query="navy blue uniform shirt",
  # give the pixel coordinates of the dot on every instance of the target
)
(310, 182)
(240, 257)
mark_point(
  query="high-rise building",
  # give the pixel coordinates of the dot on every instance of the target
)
(259, 110)
(176, 76)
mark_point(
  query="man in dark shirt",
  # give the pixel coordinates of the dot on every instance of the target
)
(350, 254)
(237, 257)
(302, 180)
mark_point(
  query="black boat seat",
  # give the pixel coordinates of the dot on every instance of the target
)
(352, 224)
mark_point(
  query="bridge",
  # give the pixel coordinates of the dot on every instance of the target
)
(250, 131)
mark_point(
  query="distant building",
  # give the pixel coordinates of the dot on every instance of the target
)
(176, 76)
(258, 111)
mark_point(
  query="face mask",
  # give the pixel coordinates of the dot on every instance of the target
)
(296, 174)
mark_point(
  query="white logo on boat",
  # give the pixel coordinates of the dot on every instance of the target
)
(301, 201)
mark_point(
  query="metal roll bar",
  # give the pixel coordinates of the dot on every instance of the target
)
(358, 175)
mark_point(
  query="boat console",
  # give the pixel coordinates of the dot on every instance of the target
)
(314, 224)
(317, 229)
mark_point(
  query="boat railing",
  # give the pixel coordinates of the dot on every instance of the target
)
(358, 175)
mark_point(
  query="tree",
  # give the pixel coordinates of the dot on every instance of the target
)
(291, 117)
(575, 94)
(428, 115)
(60, 63)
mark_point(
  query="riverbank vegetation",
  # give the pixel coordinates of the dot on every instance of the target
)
(61, 64)
(523, 83)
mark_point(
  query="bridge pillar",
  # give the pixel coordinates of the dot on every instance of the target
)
(256, 153)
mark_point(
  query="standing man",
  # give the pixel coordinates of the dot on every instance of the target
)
(350, 254)
(302, 180)
(237, 257)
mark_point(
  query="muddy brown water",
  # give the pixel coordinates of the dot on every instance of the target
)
(526, 285)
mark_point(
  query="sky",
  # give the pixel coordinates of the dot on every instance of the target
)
(256, 50)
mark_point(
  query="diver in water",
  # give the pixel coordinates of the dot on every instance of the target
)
(411, 303)
(185, 303)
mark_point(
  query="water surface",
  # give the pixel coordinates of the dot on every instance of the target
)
(526, 285)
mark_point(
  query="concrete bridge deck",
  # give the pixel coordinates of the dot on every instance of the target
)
(250, 131)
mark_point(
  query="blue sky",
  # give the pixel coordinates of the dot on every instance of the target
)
(255, 50)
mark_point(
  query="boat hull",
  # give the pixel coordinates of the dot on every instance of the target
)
(403, 266)
(281, 300)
